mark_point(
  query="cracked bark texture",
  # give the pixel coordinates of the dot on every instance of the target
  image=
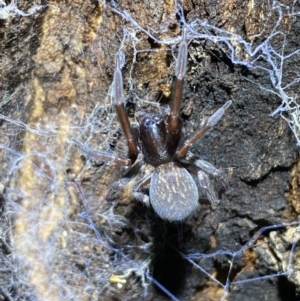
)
(56, 68)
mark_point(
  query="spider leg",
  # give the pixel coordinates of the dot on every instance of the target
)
(100, 156)
(118, 99)
(114, 192)
(212, 120)
(206, 186)
(137, 189)
(208, 168)
(212, 170)
(180, 71)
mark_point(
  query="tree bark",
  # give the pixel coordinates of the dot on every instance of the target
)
(61, 239)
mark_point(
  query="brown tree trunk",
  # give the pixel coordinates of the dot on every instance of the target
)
(61, 240)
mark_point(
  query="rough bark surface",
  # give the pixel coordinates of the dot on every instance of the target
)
(60, 238)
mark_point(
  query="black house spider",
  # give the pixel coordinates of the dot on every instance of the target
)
(173, 191)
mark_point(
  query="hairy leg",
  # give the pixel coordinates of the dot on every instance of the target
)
(138, 187)
(174, 122)
(205, 184)
(212, 121)
(100, 156)
(133, 171)
(208, 168)
(118, 99)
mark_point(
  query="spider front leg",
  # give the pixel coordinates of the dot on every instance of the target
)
(212, 121)
(118, 99)
(174, 122)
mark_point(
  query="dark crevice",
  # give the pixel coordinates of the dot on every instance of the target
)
(169, 268)
(287, 290)
(225, 272)
(154, 45)
(220, 56)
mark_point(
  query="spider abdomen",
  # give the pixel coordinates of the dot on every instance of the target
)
(173, 192)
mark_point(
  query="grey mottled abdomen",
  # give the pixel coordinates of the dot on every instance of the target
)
(173, 192)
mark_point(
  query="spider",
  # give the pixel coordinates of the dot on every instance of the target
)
(178, 174)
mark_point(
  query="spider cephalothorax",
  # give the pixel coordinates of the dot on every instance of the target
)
(157, 144)
(173, 191)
